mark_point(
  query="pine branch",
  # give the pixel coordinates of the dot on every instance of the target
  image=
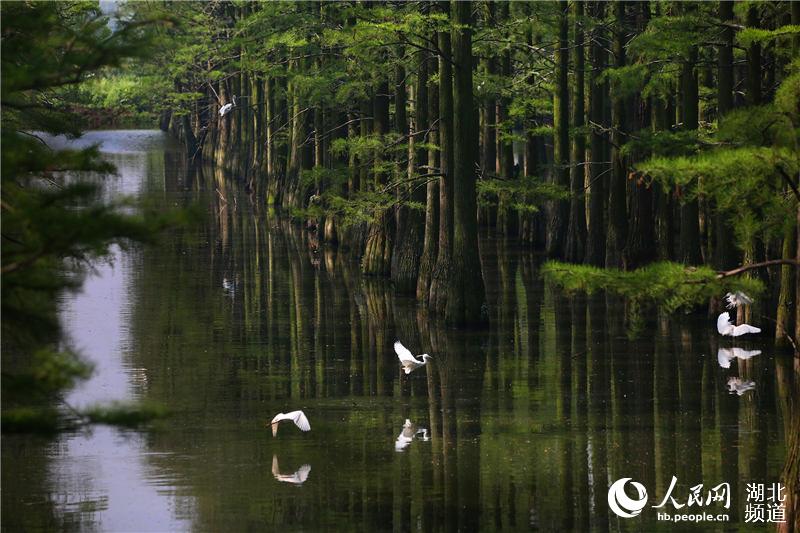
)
(753, 266)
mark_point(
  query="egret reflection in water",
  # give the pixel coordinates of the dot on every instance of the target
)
(408, 434)
(740, 386)
(726, 355)
(297, 478)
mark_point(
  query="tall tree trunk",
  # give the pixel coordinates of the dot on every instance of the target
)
(377, 253)
(441, 273)
(784, 313)
(690, 216)
(797, 286)
(489, 120)
(596, 238)
(753, 60)
(410, 233)
(559, 217)
(506, 216)
(294, 162)
(576, 233)
(724, 251)
(465, 291)
(665, 234)
(617, 218)
(431, 241)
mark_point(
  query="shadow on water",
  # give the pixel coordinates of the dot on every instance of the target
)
(527, 423)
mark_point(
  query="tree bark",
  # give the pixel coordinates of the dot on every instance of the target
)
(576, 232)
(690, 216)
(784, 313)
(430, 246)
(506, 216)
(753, 61)
(410, 233)
(441, 273)
(377, 252)
(465, 289)
(724, 250)
(596, 238)
(559, 216)
(617, 217)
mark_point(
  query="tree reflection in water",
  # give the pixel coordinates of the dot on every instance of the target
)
(529, 420)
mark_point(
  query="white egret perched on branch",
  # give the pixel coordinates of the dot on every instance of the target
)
(298, 417)
(409, 362)
(726, 327)
(298, 478)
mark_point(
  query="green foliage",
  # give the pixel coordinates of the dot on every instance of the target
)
(123, 414)
(525, 194)
(664, 143)
(54, 219)
(667, 285)
(748, 36)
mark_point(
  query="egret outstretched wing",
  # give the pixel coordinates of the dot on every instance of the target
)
(298, 417)
(726, 355)
(725, 327)
(738, 298)
(224, 109)
(298, 478)
(403, 353)
(724, 323)
(744, 329)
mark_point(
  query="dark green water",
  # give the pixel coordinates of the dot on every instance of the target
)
(243, 316)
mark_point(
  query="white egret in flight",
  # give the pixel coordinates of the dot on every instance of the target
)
(227, 107)
(298, 478)
(409, 362)
(298, 417)
(737, 299)
(726, 355)
(725, 327)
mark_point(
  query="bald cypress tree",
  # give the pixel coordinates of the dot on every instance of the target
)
(559, 216)
(465, 295)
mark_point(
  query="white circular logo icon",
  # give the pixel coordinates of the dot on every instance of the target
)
(621, 504)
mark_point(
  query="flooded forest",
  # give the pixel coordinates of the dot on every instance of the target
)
(221, 218)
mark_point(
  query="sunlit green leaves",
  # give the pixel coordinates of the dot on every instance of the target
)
(667, 285)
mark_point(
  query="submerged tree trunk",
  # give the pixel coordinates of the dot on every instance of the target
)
(559, 217)
(724, 252)
(431, 241)
(596, 238)
(753, 61)
(489, 122)
(506, 215)
(377, 253)
(617, 218)
(784, 313)
(576, 233)
(441, 273)
(410, 232)
(690, 213)
(465, 289)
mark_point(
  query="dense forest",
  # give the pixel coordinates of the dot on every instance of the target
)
(647, 150)
(615, 135)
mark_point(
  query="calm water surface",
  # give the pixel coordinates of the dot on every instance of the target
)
(243, 316)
